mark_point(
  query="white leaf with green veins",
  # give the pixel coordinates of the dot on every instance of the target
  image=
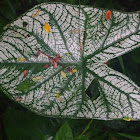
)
(101, 40)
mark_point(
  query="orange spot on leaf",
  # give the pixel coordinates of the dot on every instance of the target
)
(38, 53)
(53, 63)
(108, 15)
(18, 99)
(46, 27)
(57, 58)
(46, 66)
(25, 72)
(34, 15)
(58, 55)
(106, 62)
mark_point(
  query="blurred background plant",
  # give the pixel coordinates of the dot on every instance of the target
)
(18, 123)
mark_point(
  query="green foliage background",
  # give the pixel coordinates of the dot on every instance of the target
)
(18, 123)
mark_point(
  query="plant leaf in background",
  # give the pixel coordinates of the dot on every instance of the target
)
(35, 128)
(64, 133)
(129, 136)
(81, 136)
(101, 39)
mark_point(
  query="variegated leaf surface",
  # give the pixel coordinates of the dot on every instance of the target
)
(25, 52)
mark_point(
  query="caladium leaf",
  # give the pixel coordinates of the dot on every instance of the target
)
(101, 40)
(64, 133)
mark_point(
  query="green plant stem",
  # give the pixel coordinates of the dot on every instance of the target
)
(87, 127)
(121, 63)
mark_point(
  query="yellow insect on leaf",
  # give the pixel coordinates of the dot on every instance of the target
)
(57, 95)
(127, 119)
(74, 70)
(20, 59)
(63, 74)
(46, 27)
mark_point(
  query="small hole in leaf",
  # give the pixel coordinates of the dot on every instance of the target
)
(25, 24)
(93, 91)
